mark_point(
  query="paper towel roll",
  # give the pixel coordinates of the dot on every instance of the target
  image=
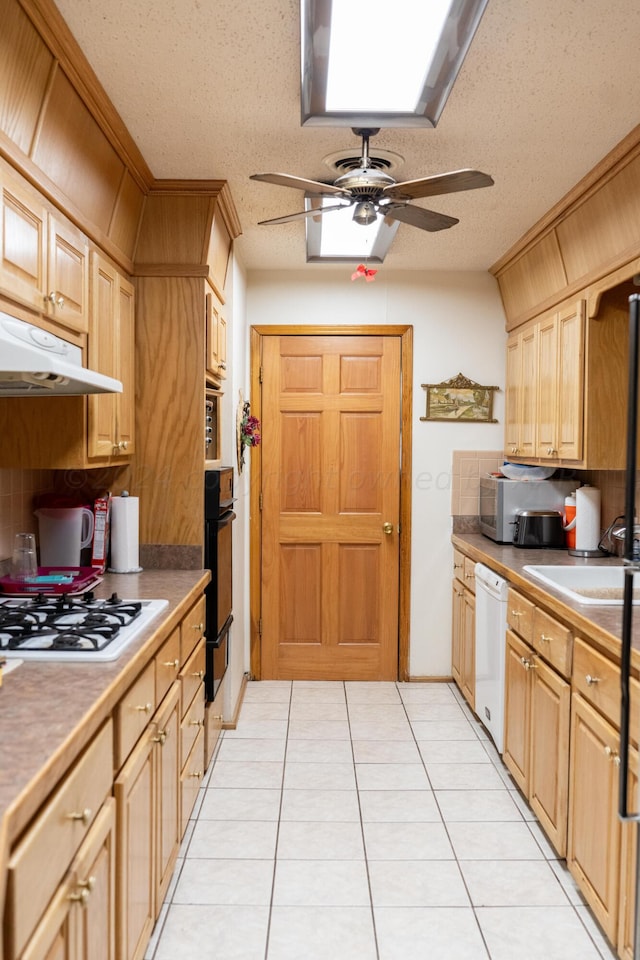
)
(587, 518)
(124, 535)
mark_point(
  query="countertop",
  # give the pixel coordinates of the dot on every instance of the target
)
(49, 711)
(601, 624)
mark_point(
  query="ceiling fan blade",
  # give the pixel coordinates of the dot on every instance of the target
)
(311, 186)
(442, 183)
(318, 211)
(418, 217)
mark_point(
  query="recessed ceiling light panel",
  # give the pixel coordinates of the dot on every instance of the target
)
(403, 82)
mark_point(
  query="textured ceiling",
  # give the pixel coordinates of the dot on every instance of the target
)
(210, 89)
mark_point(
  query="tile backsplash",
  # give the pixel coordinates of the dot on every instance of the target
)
(17, 490)
(469, 465)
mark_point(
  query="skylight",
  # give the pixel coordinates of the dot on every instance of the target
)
(382, 64)
(335, 236)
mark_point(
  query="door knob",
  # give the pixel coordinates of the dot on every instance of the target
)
(387, 528)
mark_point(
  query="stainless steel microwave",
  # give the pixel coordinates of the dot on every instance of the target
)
(500, 500)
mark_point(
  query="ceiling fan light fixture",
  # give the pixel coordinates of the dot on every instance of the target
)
(365, 213)
(414, 77)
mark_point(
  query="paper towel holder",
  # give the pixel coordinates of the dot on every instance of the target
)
(594, 551)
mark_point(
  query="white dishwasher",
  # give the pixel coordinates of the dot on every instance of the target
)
(491, 625)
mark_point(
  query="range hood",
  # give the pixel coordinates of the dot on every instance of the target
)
(35, 363)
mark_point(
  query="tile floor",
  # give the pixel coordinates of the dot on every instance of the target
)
(366, 821)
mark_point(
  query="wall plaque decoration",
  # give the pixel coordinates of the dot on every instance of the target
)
(459, 399)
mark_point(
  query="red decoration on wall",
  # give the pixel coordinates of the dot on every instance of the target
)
(362, 271)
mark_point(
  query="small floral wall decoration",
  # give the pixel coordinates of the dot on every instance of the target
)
(248, 431)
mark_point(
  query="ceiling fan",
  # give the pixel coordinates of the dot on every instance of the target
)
(371, 192)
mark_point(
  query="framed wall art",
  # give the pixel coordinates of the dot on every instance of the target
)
(459, 399)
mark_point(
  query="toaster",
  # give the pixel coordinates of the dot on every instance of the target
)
(538, 528)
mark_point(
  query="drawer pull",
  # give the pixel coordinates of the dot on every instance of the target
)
(196, 723)
(199, 674)
(217, 718)
(144, 708)
(171, 663)
(612, 755)
(458, 566)
(162, 736)
(197, 626)
(82, 897)
(469, 576)
(527, 664)
(591, 680)
(516, 613)
(197, 775)
(83, 816)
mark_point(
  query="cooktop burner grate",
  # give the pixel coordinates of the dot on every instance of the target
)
(72, 628)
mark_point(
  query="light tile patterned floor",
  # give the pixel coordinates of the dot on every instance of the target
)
(366, 821)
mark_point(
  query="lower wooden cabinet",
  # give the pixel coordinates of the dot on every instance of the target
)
(628, 860)
(79, 923)
(536, 742)
(593, 850)
(463, 642)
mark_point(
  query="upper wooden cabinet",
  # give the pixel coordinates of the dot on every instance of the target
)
(216, 337)
(560, 385)
(44, 259)
(112, 352)
(566, 382)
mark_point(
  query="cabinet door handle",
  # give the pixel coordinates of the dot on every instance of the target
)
(144, 708)
(196, 723)
(222, 365)
(171, 663)
(84, 816)
(527, 664)
(612, 755)
(199, 674)
(197, 626)
(161, 738)
(545, 639)
(591, 680)
(516, 613)
(197, 775)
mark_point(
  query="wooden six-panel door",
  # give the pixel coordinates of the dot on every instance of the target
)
(330, 507)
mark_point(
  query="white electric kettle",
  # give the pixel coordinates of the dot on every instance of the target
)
(63, 533)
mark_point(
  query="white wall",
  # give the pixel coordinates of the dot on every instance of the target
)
(458, 326)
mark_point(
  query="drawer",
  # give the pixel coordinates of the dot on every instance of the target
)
(520, 615)
(598, 680)
(192, 723)
(191, 778)
(553, 641)
(470, 574)
(42, 857)
(458, 565)
(134, 712)
(167, 663)
(192, 676)
(192, 629)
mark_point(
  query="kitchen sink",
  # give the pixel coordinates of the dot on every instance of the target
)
(596, 584)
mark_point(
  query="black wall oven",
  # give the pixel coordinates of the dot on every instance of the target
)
(218, 518)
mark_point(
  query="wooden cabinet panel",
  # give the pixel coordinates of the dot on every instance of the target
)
(43, 856)
(458, 565)
(193, 722)
(593, 845)
(628, 859)
(25, 66)
(23, 253)
(167, 811)
(469, 649)
(470, 574)
(520, 614)
(111, 416)
(167, 665)
(553, 641)
(216, 324)
(135, 793)
(457, 624)
(192, 630)
(79, 923)
(68, 275)
(191, 778)
(133, 713)
(549, 756)
(192, 674)
(597, 679)
(517, 710)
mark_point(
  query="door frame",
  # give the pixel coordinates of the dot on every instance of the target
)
(405, 333)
